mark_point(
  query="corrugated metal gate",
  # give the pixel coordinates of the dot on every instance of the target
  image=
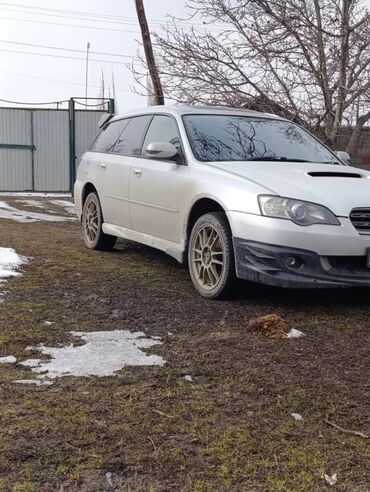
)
(35, 147)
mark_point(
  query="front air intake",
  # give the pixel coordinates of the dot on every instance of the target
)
(328, 174)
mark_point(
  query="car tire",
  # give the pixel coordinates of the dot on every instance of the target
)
(92, 221)
(211, 256)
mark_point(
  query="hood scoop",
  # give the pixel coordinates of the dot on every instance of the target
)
(331, 174)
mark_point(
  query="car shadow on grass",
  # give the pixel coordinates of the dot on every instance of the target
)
(344, 297)
(247, 291)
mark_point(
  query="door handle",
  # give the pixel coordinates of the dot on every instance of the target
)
(103, 165)
(138, 173)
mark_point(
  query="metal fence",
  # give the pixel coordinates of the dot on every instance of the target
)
(39, 147)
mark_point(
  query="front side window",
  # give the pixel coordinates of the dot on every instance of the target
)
(242, 138)
(107, 138)
(129, 142)
(163, 129)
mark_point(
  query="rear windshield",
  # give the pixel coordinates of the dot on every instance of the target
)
(243, 138)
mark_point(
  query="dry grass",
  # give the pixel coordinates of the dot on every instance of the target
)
(228, 430)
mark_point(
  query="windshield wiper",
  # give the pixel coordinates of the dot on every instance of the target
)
(327, 162)
(277, 158)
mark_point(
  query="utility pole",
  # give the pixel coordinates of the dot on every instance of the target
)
(149, 55)
(113, 87)
(87, 68)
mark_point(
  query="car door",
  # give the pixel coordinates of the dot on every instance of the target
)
(114, 170)
(155, 185)
(107, 165)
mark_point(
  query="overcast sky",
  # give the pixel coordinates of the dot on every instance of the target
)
(109, 25)
(113, 29)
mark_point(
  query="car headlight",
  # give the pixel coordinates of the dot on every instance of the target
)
(300, 212)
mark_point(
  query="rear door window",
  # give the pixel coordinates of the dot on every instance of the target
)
(130, 140)
(108, 137)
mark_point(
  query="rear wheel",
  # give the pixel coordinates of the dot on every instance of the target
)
(92, 221)
(211, 256)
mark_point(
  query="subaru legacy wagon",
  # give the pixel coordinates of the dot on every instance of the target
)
(235, 194)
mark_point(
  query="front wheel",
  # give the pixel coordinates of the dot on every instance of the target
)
(92, 221)
(211, 256)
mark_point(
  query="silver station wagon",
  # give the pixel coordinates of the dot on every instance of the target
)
(234, 193)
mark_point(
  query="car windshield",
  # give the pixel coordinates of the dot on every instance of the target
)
(242, 138)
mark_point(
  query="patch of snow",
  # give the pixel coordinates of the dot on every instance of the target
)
(9, 212)
(296, 416)
(108, 477)
(48, 323)
(68, 206)
(103, 354)
(330, 480)
(36, 194)
(10, 261)
(36, 382)
(293, 333)
(9, 359)
(188, 378)
(31, 203)
(31, 362)
(62, 203)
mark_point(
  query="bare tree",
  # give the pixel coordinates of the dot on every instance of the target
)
(149, 55)
(107, 91)
(310, 58)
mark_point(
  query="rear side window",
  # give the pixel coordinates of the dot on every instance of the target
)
(109, 136)
(131, 138)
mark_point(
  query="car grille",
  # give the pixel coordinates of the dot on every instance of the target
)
(360, 218)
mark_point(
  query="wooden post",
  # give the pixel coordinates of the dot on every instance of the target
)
(149, 55)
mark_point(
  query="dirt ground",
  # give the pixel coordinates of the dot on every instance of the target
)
(148, 428)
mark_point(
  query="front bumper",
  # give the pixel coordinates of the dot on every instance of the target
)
(284, 266)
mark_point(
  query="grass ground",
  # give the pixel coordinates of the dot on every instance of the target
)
(228, 430)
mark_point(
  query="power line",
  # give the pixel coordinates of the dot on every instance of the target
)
(158, 25)
(69, 25)
(64, 16)
(74, 12)
(106, 16)
(132, 22)
(58, 80)
(64, 49)
(61, 56)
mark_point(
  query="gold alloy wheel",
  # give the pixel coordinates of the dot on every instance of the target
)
(91, 221)
(208, 257)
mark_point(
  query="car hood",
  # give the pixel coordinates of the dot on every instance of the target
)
(328, 184)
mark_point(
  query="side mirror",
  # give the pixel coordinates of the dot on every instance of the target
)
(343, 156)
(160, 150)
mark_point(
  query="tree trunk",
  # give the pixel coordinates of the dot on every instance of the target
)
(343, 67)
(149, 55)
(352, 144)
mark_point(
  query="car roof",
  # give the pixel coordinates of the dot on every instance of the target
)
(187, 110)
